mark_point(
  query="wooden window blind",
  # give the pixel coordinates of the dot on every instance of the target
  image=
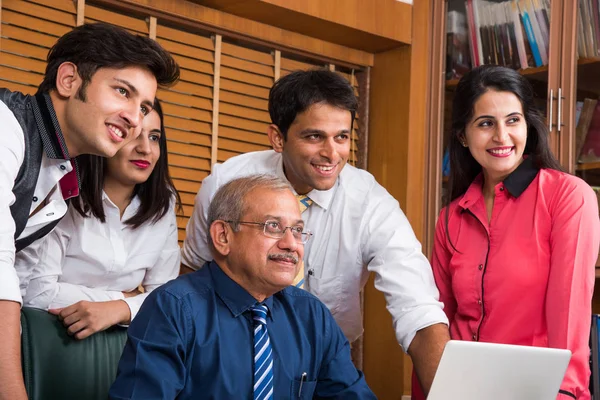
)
(216, 111)
(28, 30)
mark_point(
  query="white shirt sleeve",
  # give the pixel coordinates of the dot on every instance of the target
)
(45, 291)
(401, 270)
(165, 268)
(195, 250)
(12, 153)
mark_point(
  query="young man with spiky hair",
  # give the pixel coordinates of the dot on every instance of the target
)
(100, 82)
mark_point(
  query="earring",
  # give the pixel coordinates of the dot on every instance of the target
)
(464, 143)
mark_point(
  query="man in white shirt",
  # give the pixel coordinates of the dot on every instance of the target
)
(358, 226)
(100, 82)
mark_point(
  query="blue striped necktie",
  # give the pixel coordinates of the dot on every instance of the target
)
(263, 357)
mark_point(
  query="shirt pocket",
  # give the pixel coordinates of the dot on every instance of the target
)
(303, 390)
(328, 290)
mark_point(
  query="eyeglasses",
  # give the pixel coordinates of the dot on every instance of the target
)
(273, 229)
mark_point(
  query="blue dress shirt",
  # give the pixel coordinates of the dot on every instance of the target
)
(193, 339)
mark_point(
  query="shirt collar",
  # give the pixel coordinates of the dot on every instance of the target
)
(130, 210)
(515, 183)
(521, 178)
(53, 141)
(322, 198)
(49, 128)
(235, 297)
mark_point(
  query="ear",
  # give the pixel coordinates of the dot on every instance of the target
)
(275, 137)
(68, 80)
(220, 235)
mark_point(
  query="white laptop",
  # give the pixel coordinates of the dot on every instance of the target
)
(490, 371)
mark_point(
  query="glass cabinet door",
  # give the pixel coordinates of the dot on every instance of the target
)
(579, 139)
(521, 34)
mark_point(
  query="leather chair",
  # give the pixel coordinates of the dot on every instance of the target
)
(57, 366)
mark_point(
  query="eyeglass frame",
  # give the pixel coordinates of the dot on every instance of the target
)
(308, 234)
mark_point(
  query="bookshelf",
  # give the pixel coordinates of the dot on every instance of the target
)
(571, 72)
(588, 166)
(536, 73)
(572, 69)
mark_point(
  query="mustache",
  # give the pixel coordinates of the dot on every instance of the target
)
(284, 257)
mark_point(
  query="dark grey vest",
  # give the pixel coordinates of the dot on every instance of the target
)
(26, 181)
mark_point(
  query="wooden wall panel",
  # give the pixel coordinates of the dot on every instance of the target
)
(384, 361)
(216, 111)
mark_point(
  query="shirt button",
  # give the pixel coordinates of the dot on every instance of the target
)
(474, 337)
(63, 167)
(479, 301)
(502, 188)
(69, 192)
(480, 267)
(35, 199)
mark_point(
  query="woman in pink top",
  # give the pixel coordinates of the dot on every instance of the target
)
(517, 241)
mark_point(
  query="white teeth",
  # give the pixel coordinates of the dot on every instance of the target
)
(501, 152)
(326, 169)
(116, 131)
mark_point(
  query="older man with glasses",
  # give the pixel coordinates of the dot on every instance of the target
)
(236, 328)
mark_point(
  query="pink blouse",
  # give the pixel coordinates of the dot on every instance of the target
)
(527, 276)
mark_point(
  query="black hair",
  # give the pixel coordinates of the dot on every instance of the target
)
(463, 167)
(101, 45)
(155, 194)
(297, 91)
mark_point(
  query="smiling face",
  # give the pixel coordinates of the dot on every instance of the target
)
(103, 116)
(317, 147)
(261, 264)
(496, 134)
(134, 163)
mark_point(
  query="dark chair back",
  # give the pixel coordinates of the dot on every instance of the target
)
(57, 366)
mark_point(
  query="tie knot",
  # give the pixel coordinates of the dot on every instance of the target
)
(304, 201)
(259, 314)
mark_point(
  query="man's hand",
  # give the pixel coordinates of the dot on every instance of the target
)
(85, 318)
(11, 375)
(426, 350)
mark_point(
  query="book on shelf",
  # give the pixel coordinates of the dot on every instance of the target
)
(588, 28)
(578, 108)
(458, 60)
(531, 35)
(588, 106)
(512, 33)
(590, 150)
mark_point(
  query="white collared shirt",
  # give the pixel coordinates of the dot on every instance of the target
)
(358, 228)
(85, 259)
(12, 153)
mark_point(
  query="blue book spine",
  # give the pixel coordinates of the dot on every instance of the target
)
(531, 38)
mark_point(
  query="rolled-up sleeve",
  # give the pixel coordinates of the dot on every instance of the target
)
(401, 270)
(12, 151)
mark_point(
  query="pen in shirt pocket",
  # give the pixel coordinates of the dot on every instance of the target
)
(302, 379)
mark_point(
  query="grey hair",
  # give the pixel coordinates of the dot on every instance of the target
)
(229, 203)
